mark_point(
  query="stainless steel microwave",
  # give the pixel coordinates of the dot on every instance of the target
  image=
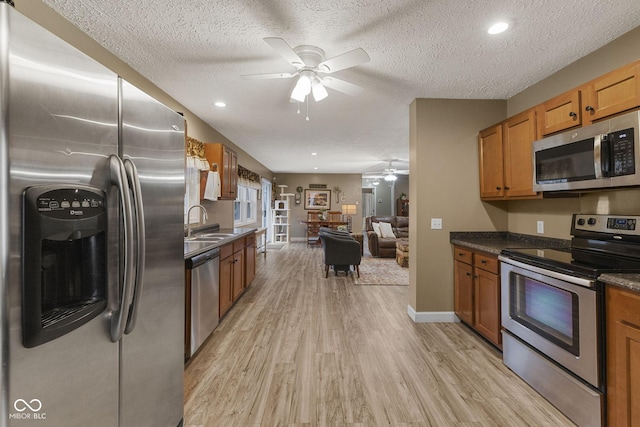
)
(601, 155)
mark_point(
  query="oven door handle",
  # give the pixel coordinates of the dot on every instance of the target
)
(586, 283)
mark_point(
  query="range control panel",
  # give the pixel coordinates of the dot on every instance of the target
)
(611, 224)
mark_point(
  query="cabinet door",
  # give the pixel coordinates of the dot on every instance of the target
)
(627, 375)
(226, 173)
(623, 357)
(613, 93)
(233, 177)
(559, 113)
(226, 277)
(519, 134)
(491, 162)
(238, 274)
(463, 291)
(250, 261)
(487, 305)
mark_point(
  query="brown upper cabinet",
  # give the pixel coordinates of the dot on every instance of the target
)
(559, 113)
(491, 163)
(227, 164)
(519, 133)
(612, 93)
(506, 167)
(505, 149)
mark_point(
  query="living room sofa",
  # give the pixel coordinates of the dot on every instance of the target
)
(385, 247)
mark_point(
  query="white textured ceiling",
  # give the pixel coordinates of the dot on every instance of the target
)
(195, 50)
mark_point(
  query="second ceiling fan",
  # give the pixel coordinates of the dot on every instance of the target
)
(312, 69)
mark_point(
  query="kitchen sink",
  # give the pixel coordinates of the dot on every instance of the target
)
(213, 235)
(204, 238)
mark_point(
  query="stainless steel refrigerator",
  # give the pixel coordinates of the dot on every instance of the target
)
(91, 232)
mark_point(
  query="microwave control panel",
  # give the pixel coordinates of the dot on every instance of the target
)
(622, 152)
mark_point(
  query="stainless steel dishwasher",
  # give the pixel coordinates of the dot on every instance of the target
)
(205, 295)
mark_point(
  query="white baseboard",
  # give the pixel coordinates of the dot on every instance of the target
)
(432, 316)
(298, 239)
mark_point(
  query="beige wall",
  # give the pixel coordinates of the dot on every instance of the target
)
(444, 184)
(221, 211)
(350, 184)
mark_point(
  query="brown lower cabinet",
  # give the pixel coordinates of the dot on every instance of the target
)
(477, 292)
(623, 357)
(231, 274)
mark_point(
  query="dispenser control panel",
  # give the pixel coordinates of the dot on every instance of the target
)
(71, 203)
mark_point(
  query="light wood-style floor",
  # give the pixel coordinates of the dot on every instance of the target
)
(299, 349)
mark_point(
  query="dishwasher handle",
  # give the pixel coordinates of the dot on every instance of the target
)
(203, 258)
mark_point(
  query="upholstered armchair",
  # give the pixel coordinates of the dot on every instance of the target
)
(340, 251)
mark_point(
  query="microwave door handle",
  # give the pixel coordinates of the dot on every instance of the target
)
(118, 178)
(597, 156)
(134, 182)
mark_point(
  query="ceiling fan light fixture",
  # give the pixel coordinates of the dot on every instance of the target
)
(390, 177)
(319, 92)
(303, 87)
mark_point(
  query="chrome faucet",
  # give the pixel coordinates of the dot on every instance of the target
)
(204, 217)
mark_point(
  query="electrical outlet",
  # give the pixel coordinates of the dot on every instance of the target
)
(436, 223)
(540, 227)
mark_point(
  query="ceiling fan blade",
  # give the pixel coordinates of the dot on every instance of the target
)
(341, 86)
(284, 50)
(269, 76)
(346, 60)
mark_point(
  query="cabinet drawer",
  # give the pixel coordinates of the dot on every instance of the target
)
(623, 304)
(226, 251)
(486, 262)
(238, 245)
(462, 254)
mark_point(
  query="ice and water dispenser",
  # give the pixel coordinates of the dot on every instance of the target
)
(64, 260)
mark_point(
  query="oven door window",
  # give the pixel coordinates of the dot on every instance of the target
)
(547, 310)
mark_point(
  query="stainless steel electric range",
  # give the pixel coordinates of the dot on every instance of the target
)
(553, 312)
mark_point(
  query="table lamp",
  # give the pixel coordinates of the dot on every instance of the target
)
(349, 210)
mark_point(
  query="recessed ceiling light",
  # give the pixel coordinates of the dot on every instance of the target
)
(315, 168)
(498, 28)
(220, 104)
(314, 154)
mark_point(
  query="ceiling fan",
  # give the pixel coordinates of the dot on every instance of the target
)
(312, 69)
(389, 174)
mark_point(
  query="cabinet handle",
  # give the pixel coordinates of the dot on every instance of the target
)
(484, 261)
(506, 188)
(475, 277)
(572, 114)
(468, 274)
(589, 108)
(498, 188)
(460, 253)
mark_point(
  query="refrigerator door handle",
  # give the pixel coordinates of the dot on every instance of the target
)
(134, 183)
(119, 178)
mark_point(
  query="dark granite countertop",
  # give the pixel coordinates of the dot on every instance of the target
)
(494, 242)
(627, 281)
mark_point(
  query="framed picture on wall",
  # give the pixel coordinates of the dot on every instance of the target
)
(317, 199)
